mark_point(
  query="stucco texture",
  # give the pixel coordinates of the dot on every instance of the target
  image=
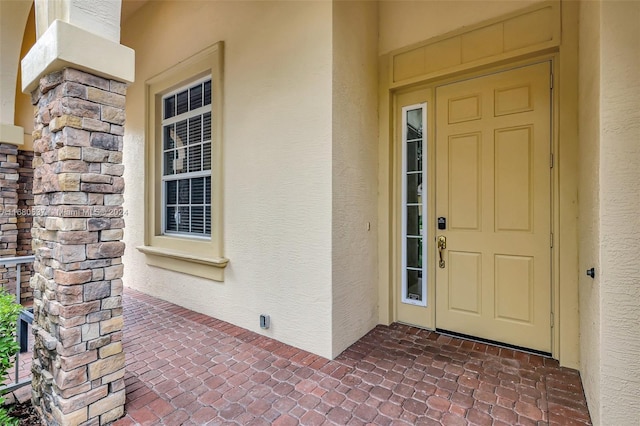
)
(276, 161)
(589, 134)
(619, 206)
(610, 224)
(354, 174)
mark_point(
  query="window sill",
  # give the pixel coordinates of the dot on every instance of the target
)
(205, 267)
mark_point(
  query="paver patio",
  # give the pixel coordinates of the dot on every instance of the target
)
(185, 368)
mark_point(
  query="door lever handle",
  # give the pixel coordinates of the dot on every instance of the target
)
(442, 244)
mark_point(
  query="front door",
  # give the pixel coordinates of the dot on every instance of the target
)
(493, 188)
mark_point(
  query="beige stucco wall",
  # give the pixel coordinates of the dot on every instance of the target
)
(13, 18)
(24, 108)
(620, 212)
(406, 22)
(589, 135)
(355, 168)
(276, 156)
(609, 202)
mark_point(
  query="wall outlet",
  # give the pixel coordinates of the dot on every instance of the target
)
(265, 321)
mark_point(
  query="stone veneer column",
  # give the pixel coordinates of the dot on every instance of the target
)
(78, 365)
(25, 221)
(8, 206)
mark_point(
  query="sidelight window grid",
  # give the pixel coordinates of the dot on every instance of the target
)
(414, 205)
(186, 160)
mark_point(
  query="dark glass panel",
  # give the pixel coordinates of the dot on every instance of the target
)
(169, 107)
(195, 130)
(206, 118)
(168, 163)
(207, 92)
(182, 102)
(195, 95)
(207, 192)
(207, 216)
(183, 214)
(195, 158)
(206, 156)
(171, 219)
(414, 187)
(414, 221)
(414, 156)
(168, 134)
(183, 191)
(197, 190)
(172, 192)
(414, 124)
(197, 219)
(414, 285)
(414, 252)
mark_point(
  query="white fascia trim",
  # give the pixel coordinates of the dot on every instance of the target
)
(11, 134)
(65, 45)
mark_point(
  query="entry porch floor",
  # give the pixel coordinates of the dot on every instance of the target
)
(185, 368)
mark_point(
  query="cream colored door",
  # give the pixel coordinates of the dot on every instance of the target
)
(493, 180)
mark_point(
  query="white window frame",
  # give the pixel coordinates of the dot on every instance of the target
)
(201, 111)
(404, 236)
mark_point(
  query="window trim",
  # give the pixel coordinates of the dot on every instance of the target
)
(421, 204)
(197, 256)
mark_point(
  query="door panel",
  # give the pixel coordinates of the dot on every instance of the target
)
(493, 184)
(465, 177)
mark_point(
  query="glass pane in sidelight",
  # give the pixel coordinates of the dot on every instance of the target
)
(414, 285)
(414, 124)
(414, 252)
(414, 188)
(414, 220)
(414, 156)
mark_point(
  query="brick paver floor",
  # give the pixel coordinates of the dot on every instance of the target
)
(184, 368)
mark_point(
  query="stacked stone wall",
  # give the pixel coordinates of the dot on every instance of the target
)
(24, 218)
(78, 366)
(8, 207)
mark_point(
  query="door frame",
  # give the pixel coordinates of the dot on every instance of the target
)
(563, 50)
(564, 299)
(426, 93)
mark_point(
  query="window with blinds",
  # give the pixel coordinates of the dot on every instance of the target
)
(186, 160)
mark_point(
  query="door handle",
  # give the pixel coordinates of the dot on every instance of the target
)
(442, 244)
